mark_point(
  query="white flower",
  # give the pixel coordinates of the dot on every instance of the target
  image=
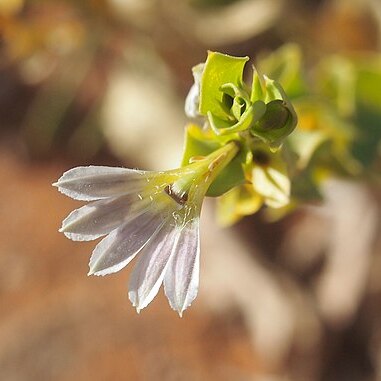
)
(155, 214)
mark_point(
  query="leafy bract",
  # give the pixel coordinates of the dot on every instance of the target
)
(219, 70)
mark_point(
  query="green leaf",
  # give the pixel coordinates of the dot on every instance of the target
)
(219, 69)
(369, 82)
(273, 90)
(305, 144)
(285, 66)
(336, 80)
(258, 88)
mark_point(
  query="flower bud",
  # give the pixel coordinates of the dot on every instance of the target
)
(276, 116)
(277, 123)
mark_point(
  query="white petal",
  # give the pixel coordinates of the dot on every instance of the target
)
(193, 98)
(100, 217)
(192, 102)
(97, 182)
(116, 250)
(182, 275)
(150, 268)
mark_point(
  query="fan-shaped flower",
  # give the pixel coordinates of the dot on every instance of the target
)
(155, 214)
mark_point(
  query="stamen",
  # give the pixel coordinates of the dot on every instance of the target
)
(180, 199)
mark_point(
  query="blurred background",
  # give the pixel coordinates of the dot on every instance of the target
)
(103, 82)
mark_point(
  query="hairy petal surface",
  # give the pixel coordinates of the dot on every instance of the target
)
(116, 250)
(151, 266)
(97, 182)
(182, 275)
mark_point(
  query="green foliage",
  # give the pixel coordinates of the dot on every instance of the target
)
(231, 106)
(258, 117)
(338, 103)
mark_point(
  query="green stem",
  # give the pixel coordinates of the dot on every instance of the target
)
(219, 160)
(198, 176)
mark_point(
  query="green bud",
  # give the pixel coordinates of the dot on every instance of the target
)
(276, 116)
(278, 121)
(235, 101)
(238, 107)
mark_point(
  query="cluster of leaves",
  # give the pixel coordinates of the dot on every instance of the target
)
(259, 117)
(337, 101)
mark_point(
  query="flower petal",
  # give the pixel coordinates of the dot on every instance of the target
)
(100, 217)
(150, 268)
(272, 182)
(182, 275)
(116, 250)
(97, 182)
